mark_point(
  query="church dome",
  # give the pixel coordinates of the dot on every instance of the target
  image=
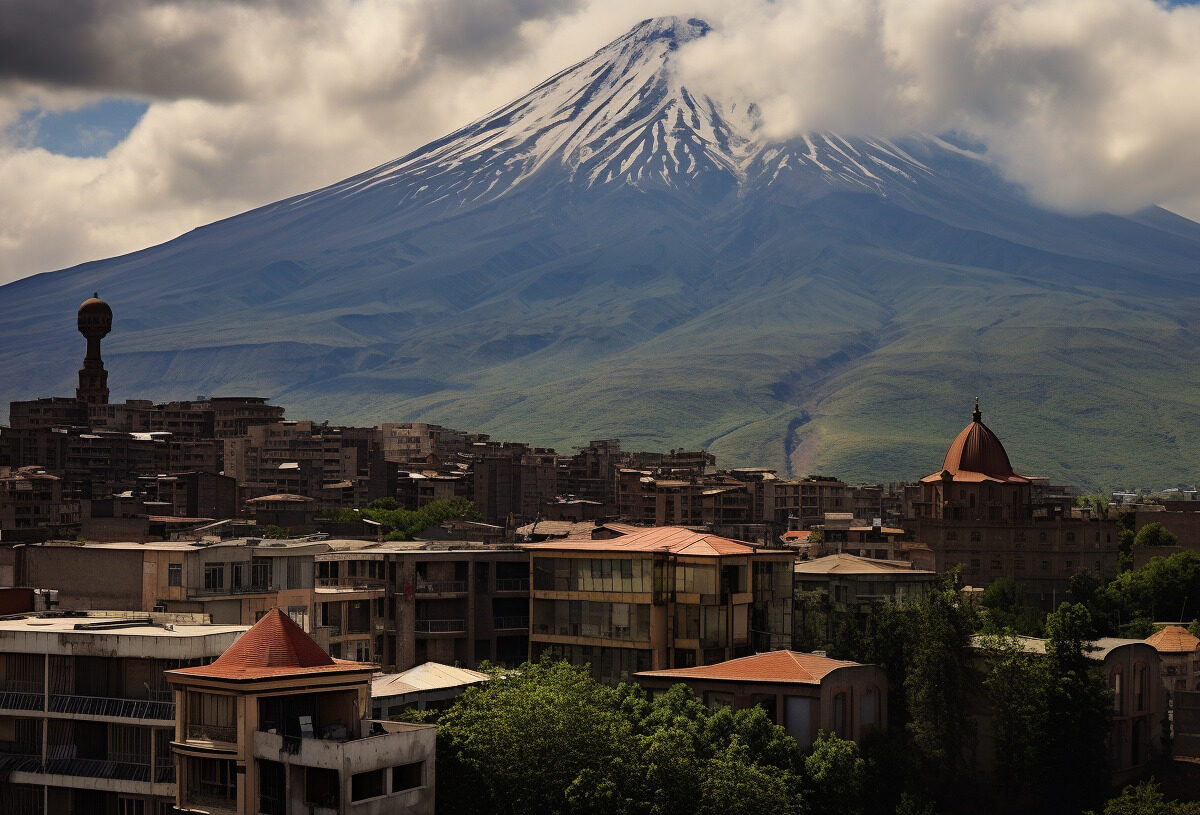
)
(976, 454)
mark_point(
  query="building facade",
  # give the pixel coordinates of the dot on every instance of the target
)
(659, 598)
(86, 715)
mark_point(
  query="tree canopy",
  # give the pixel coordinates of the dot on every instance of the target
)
(547, 738)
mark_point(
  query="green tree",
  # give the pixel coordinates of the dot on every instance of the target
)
(1017, 686)
(274, 532)
(1146, 799)
(835, 776)
(936, 690)
(1155, 534)
(1079, 714)
(1194, 628)
(547, 738)
(1165, 587)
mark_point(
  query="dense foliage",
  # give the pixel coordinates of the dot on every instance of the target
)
(549, 739)
(1163, 588)
(404, 524)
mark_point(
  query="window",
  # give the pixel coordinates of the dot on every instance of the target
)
(299, 615)
(237, 575)
(1045, 565)
(260, 572)
(839, 715)
(1118, 705)
(212, 778)
(1019, 564)
(408, 776)
(174, 574)
(975, 536)
(366, 785)
(131, 806)
(995, 564)
(214, 576)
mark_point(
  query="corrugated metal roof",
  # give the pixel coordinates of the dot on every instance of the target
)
(429, 676)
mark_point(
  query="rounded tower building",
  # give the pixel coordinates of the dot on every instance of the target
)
(94, 323)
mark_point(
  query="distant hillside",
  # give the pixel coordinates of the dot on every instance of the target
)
(617, 255)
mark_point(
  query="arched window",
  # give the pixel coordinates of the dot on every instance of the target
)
(1118, 705)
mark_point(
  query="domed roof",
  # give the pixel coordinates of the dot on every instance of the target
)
(94, 306)
(976, 454)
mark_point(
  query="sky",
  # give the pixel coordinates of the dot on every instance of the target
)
(124, 123)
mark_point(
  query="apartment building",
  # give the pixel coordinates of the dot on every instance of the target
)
(86, 715)
(659, 598)
(276, 726)
(32, 505)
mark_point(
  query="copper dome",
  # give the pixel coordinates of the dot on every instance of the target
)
(976, 454)
(95, 317)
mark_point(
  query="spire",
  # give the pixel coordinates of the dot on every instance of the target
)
(976, 416)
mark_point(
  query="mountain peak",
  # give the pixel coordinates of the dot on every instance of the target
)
(675, 30)
(625, 117)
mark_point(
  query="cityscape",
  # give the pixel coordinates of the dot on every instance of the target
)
(786, 408)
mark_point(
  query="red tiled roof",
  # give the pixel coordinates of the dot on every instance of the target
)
(1173, 639)
(975, 455)
(792, 667)
(673, 539)
(273, 647)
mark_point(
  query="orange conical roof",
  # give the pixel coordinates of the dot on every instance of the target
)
(976, 454)
(274, 646)
(1173, 639)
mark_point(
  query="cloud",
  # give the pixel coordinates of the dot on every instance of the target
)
(1088, 103)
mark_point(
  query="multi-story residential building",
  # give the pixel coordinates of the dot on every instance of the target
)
(276, 726)
(86, 715)
(513, 480)
(658, 598)
(397, 604)
(843, 588)
(198, 494)
(421, 443)
(32, 505)
(978, 512)
(47, 412)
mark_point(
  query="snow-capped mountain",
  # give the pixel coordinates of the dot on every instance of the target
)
(620, 254)
(623, 116)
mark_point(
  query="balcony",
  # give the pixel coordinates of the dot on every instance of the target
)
(385, 744)
(351, 584)
(511, 623)
(430, 587)
(222, 591)
(440, 626)
(19, 700)
(512, 584)
(86, 706)
(226, 734)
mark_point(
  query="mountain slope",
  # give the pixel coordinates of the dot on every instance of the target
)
(615, 254)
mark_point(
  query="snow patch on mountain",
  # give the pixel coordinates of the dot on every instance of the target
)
(624, 116)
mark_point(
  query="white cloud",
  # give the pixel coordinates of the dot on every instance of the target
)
(1089, 103)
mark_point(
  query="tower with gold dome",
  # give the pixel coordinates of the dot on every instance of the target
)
(94, 321)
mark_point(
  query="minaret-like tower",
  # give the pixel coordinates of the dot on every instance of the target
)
(95, 321)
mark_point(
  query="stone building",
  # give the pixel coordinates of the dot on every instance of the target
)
(977, 512)
(1179, 655)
